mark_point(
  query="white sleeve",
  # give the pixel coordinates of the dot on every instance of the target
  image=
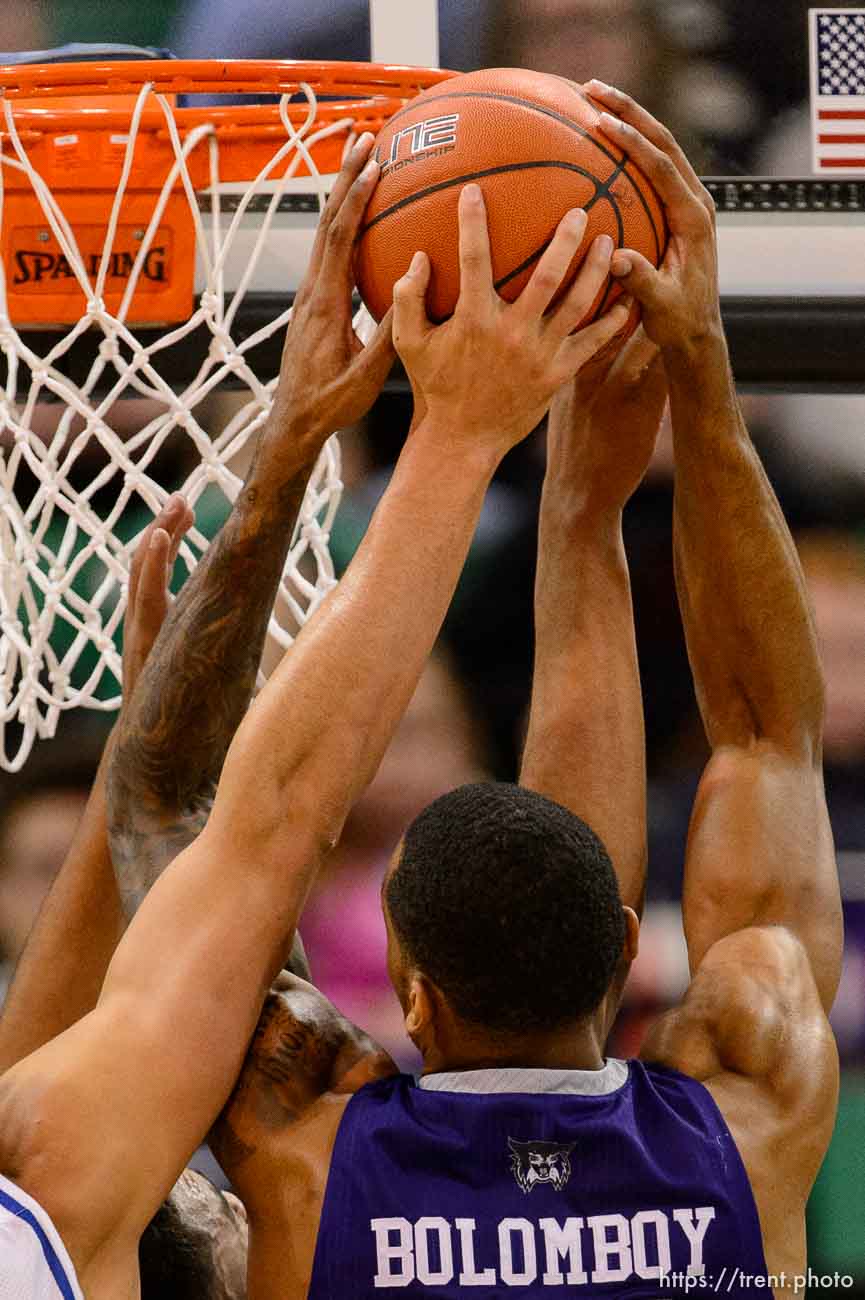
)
(34, 1264)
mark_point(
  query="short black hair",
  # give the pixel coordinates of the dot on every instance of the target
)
(174, 1259)
(510, 904)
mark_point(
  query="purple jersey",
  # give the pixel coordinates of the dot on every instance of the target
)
(622, 1182)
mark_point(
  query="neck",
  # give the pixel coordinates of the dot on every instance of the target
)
(578, 1047)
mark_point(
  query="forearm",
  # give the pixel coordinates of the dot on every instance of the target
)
(585, 746)
(200, 676)
(63, 965)
(760, 846)
(355, 666)
(747, 620)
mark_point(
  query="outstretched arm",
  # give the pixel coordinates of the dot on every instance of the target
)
(760, 847)
(585, 745)
(172, 740)
(63, 965)
(188, 979)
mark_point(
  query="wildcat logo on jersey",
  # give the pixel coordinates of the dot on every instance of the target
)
(540, 1162)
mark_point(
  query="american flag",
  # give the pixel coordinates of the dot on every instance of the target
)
(838, 89)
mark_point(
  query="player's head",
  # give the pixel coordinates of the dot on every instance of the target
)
(195, 1246)
(504, 920)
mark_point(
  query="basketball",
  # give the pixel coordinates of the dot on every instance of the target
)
(533, 144)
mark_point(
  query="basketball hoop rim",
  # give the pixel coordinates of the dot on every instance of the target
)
(215, 77)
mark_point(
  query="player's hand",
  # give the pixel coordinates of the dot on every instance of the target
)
(328, 378)
(490, 371)
(149, 576)
(604, 424)
(679, 300)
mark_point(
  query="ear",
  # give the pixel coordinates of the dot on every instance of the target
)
(516, 1147)
(632, 934)
(420, 1008)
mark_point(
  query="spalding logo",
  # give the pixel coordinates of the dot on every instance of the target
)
(540, 1162)
(436, 135)
(36, 265)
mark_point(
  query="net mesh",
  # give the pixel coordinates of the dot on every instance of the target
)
(67, 533)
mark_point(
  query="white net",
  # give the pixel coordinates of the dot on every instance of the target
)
(67, 530)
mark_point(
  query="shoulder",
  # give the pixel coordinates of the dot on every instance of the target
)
(752, 1010)
(752, 1029)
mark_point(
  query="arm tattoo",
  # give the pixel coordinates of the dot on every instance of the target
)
(302, 1047)
(142, 850)
(196, 686)
(289, 1061)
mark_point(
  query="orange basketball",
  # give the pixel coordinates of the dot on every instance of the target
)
(533, 144)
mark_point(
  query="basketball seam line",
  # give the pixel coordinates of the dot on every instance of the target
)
(620, 226)
(602, 190)
(547, 112)
(469, 176)
(656, 234)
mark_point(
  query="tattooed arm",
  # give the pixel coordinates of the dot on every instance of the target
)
(171, 745)
(199, 681)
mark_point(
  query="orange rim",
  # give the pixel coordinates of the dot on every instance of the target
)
(236, 120)
(215, 77)
(73, 120)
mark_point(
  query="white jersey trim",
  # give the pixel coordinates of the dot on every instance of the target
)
(585, 1083)
(16, 1204)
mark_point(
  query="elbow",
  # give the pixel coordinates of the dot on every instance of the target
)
(801, 741)
(789, 728)
(797, 730)
(806, 713)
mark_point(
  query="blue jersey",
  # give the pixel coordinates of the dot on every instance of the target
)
(623, 1182)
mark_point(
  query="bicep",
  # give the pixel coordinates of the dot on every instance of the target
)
(760, 853)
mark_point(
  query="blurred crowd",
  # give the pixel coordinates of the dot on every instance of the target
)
(731, 80)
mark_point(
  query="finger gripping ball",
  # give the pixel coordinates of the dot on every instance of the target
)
(533, 144)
